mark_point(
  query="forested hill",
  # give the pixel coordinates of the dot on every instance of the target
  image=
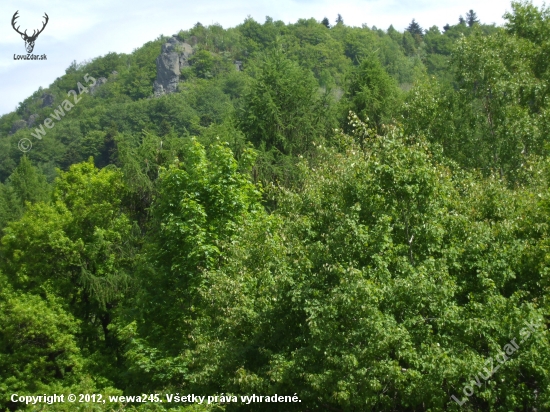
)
(336, 61)
(354, 216)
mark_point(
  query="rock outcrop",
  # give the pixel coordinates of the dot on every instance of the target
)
(32, 120)
(18, 124)
(47, 99)
(174, 56)
(99, 82)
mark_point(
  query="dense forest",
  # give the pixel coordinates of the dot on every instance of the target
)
(353, 216)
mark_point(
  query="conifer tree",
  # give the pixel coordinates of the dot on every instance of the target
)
(372, 92)
(471, 18)
(26, 184)
(415, 29)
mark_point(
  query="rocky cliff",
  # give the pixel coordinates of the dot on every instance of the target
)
(174, 56)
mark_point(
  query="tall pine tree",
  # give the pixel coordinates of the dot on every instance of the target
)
(415, 29)
(26, 184)
(471, 18)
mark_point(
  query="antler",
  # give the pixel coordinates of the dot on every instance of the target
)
(15, 16)
(34, 36)
(34, 33)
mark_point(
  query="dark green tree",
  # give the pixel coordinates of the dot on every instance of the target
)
(202, 203)
(471, 18)
(90, 249)
(27, 184)
(415, 29)
(372, 93)
(282, 108)
(38, 349)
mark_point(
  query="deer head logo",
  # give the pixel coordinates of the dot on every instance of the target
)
(29, 40)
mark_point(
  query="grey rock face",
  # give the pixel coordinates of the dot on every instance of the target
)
(174, 56)
(18, 124)
(238, 65)
(32, 120)
(47, 99)
(99, 82)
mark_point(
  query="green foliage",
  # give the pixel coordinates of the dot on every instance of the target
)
(384, 240)
(408, 44)
(416, 31)
(138, 79)
(105, 65)
(207, 65)
(471, 18)
(80, 248)
(372, 93)
(38, 350)
(283, 113)
(196, 207)
(256, 37)
(315, 49)
(281, 108)
(25, 185)
(316, 298)
(209, 101)
(202, 201)
(528, 21)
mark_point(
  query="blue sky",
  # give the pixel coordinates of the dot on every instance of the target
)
(81, 30)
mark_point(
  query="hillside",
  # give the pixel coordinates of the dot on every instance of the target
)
(351, 218)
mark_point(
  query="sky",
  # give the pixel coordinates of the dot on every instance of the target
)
(81, 30)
